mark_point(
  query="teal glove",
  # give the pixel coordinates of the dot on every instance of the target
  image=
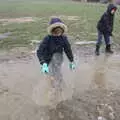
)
(45, 68)
(72, 66)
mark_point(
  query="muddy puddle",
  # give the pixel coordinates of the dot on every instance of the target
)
(90, 92)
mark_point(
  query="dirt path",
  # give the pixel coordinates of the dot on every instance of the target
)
(90, 91)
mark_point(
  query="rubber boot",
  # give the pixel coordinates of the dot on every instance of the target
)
(108, 49)
(97, 51)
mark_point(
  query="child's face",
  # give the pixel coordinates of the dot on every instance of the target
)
(57, 31)
(113, 11)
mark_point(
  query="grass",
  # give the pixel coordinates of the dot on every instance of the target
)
(22, 33)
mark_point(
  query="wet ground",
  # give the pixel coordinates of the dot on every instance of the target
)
(89, 92)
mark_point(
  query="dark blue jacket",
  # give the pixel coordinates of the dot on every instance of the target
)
(105, 24)
(51, 45)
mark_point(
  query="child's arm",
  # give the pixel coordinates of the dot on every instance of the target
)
(42, 50)
(67, 49)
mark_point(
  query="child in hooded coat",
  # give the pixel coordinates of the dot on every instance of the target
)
(105, 28)
(50, 51)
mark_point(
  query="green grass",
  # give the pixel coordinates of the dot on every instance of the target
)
(23, 33)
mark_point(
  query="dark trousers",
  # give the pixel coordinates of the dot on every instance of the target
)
(106, 38)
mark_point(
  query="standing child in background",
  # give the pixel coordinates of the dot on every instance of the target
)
(50, 52)
(105, 28)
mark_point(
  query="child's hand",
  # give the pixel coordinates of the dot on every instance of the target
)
(72, 65)
(45, 68)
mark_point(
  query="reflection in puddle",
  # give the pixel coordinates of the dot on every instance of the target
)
(99, 77)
